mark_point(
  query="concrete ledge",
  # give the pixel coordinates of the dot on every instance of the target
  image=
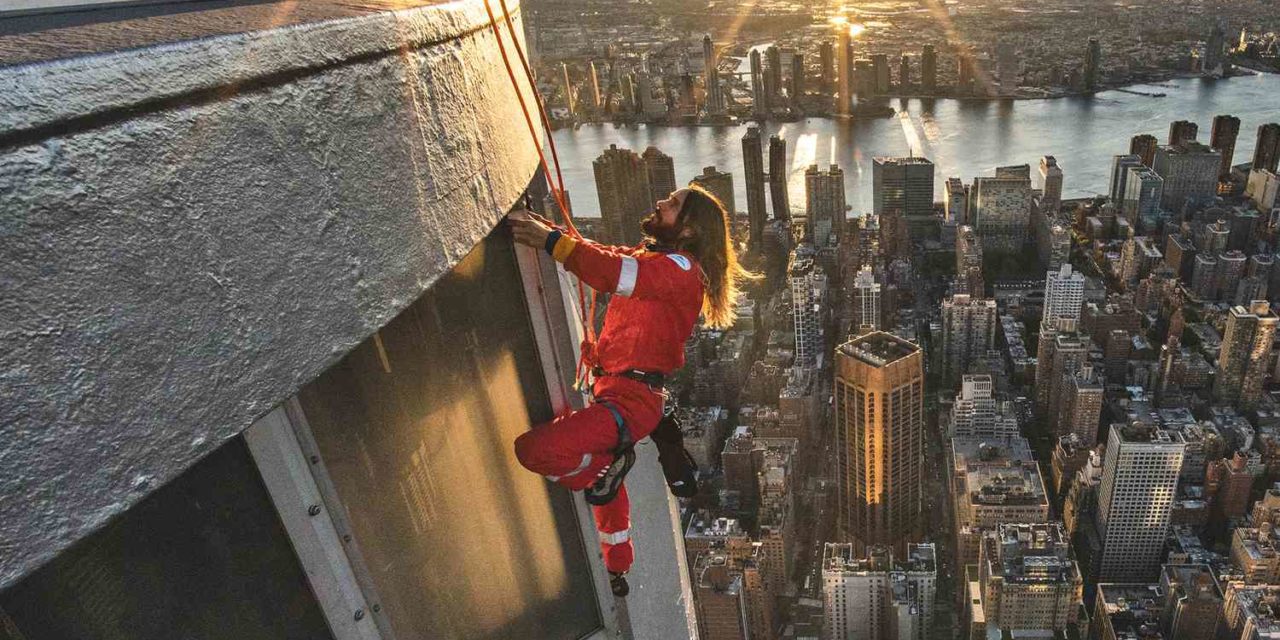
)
(190, 232)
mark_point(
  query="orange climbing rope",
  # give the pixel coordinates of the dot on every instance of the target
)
(587, 310)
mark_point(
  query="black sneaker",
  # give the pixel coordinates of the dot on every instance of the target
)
(606, 487)
(618, 583)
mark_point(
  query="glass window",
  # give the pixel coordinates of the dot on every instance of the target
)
(416, 427)
(205, 557)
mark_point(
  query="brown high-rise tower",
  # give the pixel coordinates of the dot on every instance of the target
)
(879, 441)
(1144, 146)
(1223, 138)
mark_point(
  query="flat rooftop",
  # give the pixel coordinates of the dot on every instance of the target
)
(1148, 434)
(878, 348)
(904, 161)
(101, 28)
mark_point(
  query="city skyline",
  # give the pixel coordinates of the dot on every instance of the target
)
(986, 346)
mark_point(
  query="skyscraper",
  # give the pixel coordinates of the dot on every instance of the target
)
(965, 72)
(904, 73)
(803, 275)
(1212, 64)
(1063, 296)
(1092, 66)
(778, 178)
(1140, 203)
(622, 185)
(1081, 403)
(1008, 72)
(1245, 354)
(1183, 131)
(969, 261)
(866, 301)
(1190, 172)
(662, 173)
(929, 69)
(879, 401)
(721, 598)
(1060, 354)
(1144, 146)
(1120, 166)
(1000, 208)
(711, 76)
(824, 202)
(720, 184)
(797, 76)
(759, 92)
(1139, 482)
(773, 74)
(1051, 185)
(827, 64)
(753, 166)
(844, 71)
(955, 201)
(976, 412)
(869, 596)
(568, 89)
(1029, 579)
(902, 199)
(597, 99)
(1266, 155)
(880, 66)
(1222, 138)
(968, 331)
(864, 75)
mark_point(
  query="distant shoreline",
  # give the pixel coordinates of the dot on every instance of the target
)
(888, 100)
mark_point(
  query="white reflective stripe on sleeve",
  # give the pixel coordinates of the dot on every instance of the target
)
(582, 466)
(615, 538)
(627, 279)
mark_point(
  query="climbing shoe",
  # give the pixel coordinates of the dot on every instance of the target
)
(606, 487)
(618, 583)
(678, 466)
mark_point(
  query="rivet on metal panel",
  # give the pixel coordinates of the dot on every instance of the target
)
(314, 510)
(377, 608)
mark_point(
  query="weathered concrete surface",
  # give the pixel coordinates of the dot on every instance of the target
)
(188, 233)
(35, 33)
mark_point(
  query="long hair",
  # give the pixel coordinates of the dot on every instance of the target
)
(711, 244)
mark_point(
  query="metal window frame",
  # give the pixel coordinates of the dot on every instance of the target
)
(288, 459)
(553, 315)
(310, 526)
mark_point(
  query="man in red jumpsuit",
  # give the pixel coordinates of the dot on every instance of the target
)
(688, 268)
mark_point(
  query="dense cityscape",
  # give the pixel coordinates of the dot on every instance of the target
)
(871, 52)
(284, 356)
(988, 412)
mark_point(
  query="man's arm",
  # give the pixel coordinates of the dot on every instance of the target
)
(604, 269)
(666, 277)
(616, 248)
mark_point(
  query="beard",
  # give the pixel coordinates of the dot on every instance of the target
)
(664, 234)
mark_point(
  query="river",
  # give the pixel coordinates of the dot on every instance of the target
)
(964, 138)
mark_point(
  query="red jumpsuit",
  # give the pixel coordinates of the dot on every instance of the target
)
(656, 302)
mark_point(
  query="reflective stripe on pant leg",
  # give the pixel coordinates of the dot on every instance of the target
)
(617, 537)
(582, 466)
(558, 448)
(613, 522)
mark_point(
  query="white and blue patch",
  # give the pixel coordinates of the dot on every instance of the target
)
(684, 262)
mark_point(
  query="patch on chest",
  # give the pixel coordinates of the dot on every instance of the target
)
(684, 262)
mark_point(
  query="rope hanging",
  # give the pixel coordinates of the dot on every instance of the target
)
(587, 310)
